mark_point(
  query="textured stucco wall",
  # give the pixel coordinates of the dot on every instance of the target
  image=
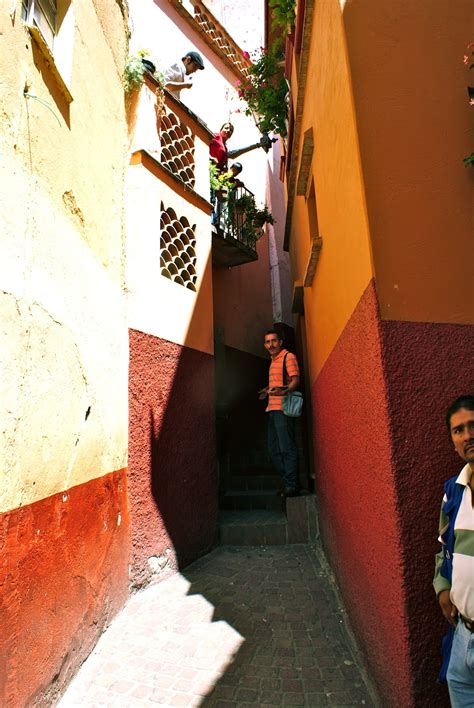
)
(382, 454)
(356, 487)
(64, 358)
(426, 366)
(344, 268)
(156, 304)
(419, 194)
(172, 456)
(63, 576)
(64, 369)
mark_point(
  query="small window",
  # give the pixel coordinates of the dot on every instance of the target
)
(43, 15)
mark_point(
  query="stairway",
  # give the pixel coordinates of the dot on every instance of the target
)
(295, 523)
(252, 513)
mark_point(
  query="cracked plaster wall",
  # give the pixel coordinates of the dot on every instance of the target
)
(64, 528)
(64, 361)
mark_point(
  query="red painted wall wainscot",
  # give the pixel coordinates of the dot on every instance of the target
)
(172, 455)
(382, 457)
(64, 575)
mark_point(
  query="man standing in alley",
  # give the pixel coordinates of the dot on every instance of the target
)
(454, 572)
(283, 378)
(179, 76)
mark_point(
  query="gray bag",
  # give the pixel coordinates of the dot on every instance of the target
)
(293, 402)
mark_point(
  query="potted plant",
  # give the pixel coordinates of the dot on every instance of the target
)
(149, 65)
(262, 217)
(221, 182)
(133, 78)
(254, 218)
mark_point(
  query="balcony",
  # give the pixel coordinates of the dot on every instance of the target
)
(234, 239)
(173, 144)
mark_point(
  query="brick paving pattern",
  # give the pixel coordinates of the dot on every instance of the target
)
(241, 627)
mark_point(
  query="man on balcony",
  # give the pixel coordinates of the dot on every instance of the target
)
(179, 76)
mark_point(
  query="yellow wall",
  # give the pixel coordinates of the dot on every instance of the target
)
(344, 267)
(415, 126)
(61, 258)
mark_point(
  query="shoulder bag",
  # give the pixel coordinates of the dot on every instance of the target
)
(292, 402)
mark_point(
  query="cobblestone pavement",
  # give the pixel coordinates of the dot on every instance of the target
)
(243, 626)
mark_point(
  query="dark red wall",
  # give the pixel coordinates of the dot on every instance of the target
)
(382, 456)
(355, 483)
(172, 453)
(64, 574)
(426, 367)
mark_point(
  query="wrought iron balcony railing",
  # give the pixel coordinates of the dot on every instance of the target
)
(235, 237)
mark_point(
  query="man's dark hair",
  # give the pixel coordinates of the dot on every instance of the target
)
(273, 331)
(195, 57)
(466, 402)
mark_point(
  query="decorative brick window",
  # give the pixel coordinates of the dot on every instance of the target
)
(177, 148)
(178, 249)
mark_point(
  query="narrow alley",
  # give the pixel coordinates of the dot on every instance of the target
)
(242, 626)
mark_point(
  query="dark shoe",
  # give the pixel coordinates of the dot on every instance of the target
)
(291, 492)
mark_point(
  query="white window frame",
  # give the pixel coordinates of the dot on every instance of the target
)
(37, 15)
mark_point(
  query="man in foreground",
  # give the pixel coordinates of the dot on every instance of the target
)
(281, 428)
(454, 572)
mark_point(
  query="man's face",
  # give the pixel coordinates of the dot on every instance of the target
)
(226, 131)
(273, 344)
(190, 65)
(462, 434)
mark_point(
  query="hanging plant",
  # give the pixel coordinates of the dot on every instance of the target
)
(254, 219)
(469, 62)
(134, 72)
(283, 13)
(266, 92)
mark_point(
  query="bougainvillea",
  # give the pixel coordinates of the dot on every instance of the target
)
(266, 91)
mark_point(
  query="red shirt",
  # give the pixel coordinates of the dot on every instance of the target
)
(218, 150)
(275, 403)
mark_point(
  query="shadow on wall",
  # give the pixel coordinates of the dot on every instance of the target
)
(172, 457)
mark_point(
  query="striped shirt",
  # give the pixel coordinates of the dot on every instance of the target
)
(275, 378)
(462, 587)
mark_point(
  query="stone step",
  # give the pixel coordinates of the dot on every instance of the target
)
(267, 527)
(261, 527)
(258, 481)
(252, 499)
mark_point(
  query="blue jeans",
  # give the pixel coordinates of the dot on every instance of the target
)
(460, 674)
(282, 447)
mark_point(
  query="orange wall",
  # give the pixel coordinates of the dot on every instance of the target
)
(344, 268)
(415, 126)
(243, 303)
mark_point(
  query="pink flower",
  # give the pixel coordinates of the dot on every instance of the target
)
(237, 83)
(246, 55)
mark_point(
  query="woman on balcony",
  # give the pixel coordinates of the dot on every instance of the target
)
(218, 146)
